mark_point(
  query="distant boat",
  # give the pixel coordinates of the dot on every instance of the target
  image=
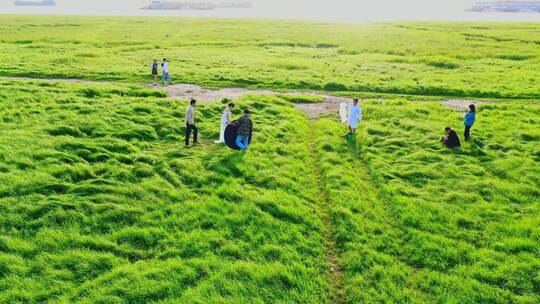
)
(172, 5)
(166, 5)
(35, 3)
(506, 6)
(241, 4)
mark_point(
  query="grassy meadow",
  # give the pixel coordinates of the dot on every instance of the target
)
(482, 60)
(101, 203)
(417, 223)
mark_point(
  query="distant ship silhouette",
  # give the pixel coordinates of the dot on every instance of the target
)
(210, 5)
(509, 6)
(35, 3)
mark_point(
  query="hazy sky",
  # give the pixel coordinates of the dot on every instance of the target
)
(334, 10)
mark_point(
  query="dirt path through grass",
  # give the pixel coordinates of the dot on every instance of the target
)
(312, 110)
(462, 105)
(188, 91)
(335, 274)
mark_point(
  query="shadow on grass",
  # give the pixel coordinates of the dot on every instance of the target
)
(356, 145)
(473, 148)
(225, 163)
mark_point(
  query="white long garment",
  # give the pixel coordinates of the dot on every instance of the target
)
(225, 121)
(355, 115)
(343, 112)
(226, 117)
(165, 67)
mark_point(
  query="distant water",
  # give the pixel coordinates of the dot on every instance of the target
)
(268, 10)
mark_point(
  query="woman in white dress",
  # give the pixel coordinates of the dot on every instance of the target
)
(226, 119)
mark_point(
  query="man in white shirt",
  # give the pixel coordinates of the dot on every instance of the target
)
(165, 71)
(190, 123)
(226, 120)
(355, 115)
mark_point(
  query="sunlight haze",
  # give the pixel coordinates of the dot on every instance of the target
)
(337, 10)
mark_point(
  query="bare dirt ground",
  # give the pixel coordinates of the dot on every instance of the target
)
(316, 110)
(462, 105)
(312, 110)
(188, 91)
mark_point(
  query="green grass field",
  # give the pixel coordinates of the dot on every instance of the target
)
(101, 203)
(481, 60)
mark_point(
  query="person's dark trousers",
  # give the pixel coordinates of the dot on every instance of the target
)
(190, 128)
(467, 133)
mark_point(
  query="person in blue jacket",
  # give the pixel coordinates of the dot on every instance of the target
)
(469, 121)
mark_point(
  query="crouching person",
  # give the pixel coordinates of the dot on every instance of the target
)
(451, 139)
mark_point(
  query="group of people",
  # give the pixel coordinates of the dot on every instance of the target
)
(352, 114)
(244, 126)
(451, 139)
(165, 75)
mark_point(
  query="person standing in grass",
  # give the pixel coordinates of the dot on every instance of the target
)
(245, 127)
(469, 121)
(190, 123)
(165, 71)
(355, 115)
(226, 120)
(451, 139)
(155, 70)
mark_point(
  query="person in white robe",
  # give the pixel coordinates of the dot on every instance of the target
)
(226, 119)
(355, 115)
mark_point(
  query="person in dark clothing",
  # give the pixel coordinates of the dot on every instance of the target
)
(245, 126)
(451, 139)
(190, 123)
(469, 121)
(155, 70)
